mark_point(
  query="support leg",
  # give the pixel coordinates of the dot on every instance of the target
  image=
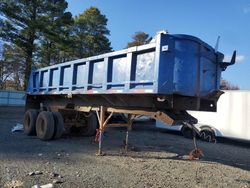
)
(130, 120)
(100, 116)
(194, 139)
(100, 153)
(126, 141)
(196, 153)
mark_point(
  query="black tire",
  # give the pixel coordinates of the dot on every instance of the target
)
(207, 134)
(91, 125)
(29, 122)
(59, 125)
(45, 125)
(187, 132)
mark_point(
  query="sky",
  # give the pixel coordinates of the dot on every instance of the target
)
(229, 19)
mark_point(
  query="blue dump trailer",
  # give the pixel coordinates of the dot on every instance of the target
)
(162, 79)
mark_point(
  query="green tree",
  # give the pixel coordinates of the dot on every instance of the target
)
(139, 38)
(90, 33)
(21, 23)
(1, 49)
(55, 37)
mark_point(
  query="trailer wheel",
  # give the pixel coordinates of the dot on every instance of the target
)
(45, 125)
(187, 132)
(91, 125)
(59, 125)
(29, 122)
(207, 134)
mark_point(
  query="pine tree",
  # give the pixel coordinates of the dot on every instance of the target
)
(23, 21)
(90, 33)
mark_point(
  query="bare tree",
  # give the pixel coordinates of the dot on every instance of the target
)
(139, 38)
(12, 67)
(5, 74)
(225, 85)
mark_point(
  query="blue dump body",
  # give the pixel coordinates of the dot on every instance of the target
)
(170, 64)
(180, 65)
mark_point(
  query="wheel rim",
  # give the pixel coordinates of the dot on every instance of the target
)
(207, 136)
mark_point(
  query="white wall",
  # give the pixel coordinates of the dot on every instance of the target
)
(12, 98)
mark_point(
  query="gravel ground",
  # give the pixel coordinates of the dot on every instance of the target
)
(156, 159)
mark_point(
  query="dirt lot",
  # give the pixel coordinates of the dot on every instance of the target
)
(157, 160)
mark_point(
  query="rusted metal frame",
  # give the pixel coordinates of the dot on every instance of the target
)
(108, 118)
(191, 126)
(196, 153)
(129, 111)
(116, 125)
(156, 115)
(194, 140)
(88, 108)
(130, 121)
(101, 120)
(104, 124)
(132, 113)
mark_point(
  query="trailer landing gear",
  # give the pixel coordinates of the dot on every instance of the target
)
(196, 153)
(103, 124)
(103, 120)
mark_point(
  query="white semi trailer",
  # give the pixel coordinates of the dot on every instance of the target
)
(232, 119)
